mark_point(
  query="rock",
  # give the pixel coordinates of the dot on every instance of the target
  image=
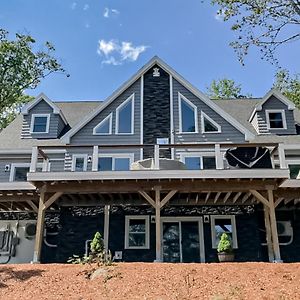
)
(101, 272)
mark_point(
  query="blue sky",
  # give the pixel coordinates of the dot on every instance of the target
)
(102, 43)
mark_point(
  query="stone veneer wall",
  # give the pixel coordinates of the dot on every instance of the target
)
(156, 109)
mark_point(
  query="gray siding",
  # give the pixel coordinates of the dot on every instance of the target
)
(229, 133)
(274, 103)
(85, 134)
(55, 127)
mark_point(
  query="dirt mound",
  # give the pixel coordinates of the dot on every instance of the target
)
(151, 281)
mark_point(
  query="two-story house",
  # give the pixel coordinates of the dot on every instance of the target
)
(158, 168)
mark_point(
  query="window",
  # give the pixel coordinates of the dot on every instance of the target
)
(221, 224)
(125, 117)
(79, 162)
(276, 119)
(188, 120)
(40, 123)
(137, 232)
(18, 171)
(208, 125)
(294, 170)
(198, 161)
(115, 162)
(104, 127)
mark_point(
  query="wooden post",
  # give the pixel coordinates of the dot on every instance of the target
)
(34, 159)
(39, 230)
(157, 225)
(106, 226)
(156, 157)
(219, 158)
(274, 227)
(95, 158)
(268, 234)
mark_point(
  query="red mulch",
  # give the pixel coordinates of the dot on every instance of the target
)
(152, 281)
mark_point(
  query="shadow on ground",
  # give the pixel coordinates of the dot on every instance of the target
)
(8, 273)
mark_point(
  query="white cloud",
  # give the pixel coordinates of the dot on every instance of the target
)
(116, 53)
(219, 16)
(73, 5)
(86, 7)
(108, 12)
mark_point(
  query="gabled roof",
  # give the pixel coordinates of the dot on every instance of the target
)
(156, 60)
(276, 94)
(37, 100)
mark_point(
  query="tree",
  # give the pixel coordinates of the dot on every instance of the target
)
(224, 89)
(21, 68)
(266, 24)
(288, 85)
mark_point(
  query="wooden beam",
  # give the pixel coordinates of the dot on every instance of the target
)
(52, 199)
(246, 197)
(226, 197)
(217, 197)
(33, 206)
(39, 230)
(236, 197)
(148, 198)
(157, 226)
(268, 234)
(167, 198)
(278, 201)
(260, 197)
(144, 185)
(207, 197)
(274, 226)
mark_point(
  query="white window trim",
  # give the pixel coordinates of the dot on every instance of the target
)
(33, 116)
(197, 154)
(205, 116)
(109, 118)
(75, 156)
(180, 98)
(282, 111)
(118, 155)
(13, 167)
(147, 231)
(213, 232)
(130, 98)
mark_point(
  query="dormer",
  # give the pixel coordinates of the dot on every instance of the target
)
(274, 115)
(42, 119)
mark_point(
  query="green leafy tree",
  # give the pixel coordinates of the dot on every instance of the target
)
(225, 89)
(288, 85)
(21, 68)
(266, 24)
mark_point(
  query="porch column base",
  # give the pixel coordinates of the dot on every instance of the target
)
(158, 261)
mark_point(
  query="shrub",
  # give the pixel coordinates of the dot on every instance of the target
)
(98, 254)
(225, 244)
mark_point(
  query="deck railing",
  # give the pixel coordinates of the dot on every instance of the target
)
(217, 150)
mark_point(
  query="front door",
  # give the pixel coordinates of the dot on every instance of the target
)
(182, 239)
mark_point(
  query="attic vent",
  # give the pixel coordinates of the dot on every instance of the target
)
(156, 72)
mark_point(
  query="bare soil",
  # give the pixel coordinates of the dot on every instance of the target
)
(151, 281)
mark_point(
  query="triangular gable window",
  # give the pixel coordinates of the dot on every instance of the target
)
(208, 125)
(104, 127)
(187, 115)
(125, 117)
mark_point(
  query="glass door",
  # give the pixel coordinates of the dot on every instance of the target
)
(181, 240)
(171, 242)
